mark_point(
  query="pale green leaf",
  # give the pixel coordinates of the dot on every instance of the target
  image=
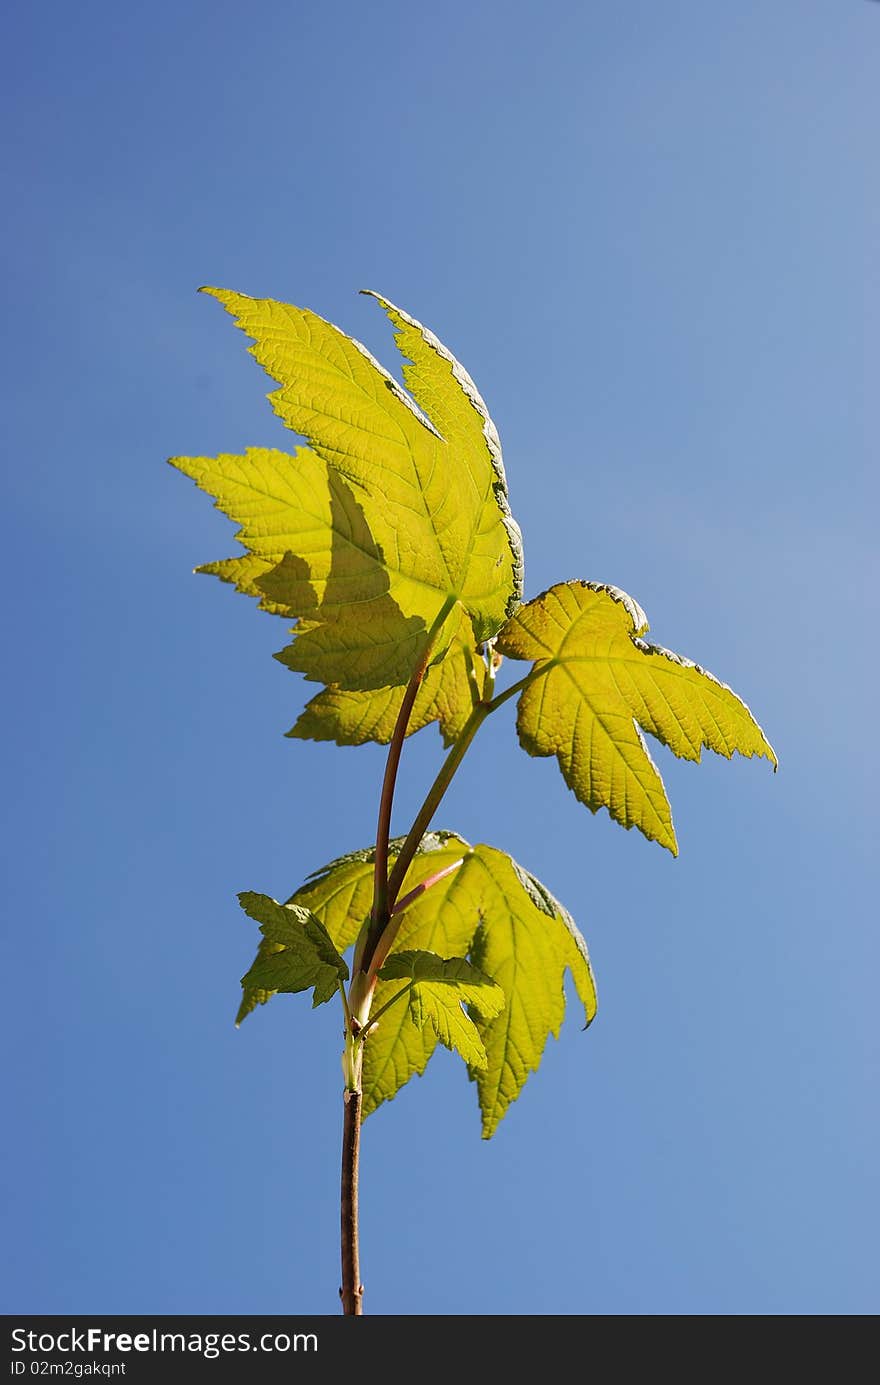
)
(489, 909)
(385, 528)
(438, 988)
(341, 895)
(351, 718)
(599, 685)
(311, 555)
(447, 395)
(525, 941)
(296, 954)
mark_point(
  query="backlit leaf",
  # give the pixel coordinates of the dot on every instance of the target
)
(296, 953)
(341, 896)
(384, 528)
(600, 686)
(494, 913)
(351, 718)
(438, 989)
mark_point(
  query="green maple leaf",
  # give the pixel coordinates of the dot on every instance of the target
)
(525, 941)
(445, 696)
(600, 683)
(296, 954)
(438, 987)
(342, 893)
(377, 537)
(488, 909)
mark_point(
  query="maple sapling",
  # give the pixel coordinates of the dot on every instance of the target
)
(390, 544)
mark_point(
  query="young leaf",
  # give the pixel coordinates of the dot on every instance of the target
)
(525, 942)
(312, 556)
(438, 989)
(340, 893)
(386, 527)
(351, 718)
(295, 954)
(490, 909)
(598, 684)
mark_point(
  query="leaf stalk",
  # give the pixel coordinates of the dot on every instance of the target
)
(381, 908)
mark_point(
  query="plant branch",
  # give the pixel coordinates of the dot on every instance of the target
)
(382, 946)
(374, 959)
(380, 909)
(376, 939)
(352, 1291)
(433, 798)
(386, 800)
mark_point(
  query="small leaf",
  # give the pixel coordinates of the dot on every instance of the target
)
(526, 950)
(296, 953)
(599, 684)
(490, 910)
(439, 987)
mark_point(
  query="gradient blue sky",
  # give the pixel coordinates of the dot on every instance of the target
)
(650, 231)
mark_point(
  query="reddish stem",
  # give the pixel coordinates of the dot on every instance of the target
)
(413, 895)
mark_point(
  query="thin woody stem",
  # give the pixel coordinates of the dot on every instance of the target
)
(352, 1291)
(432, 802)
(433, 797)
(381, 904)
(357, 1003)
(386, 801)
(376, 940)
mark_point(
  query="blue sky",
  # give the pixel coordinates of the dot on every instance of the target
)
(650, 232)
